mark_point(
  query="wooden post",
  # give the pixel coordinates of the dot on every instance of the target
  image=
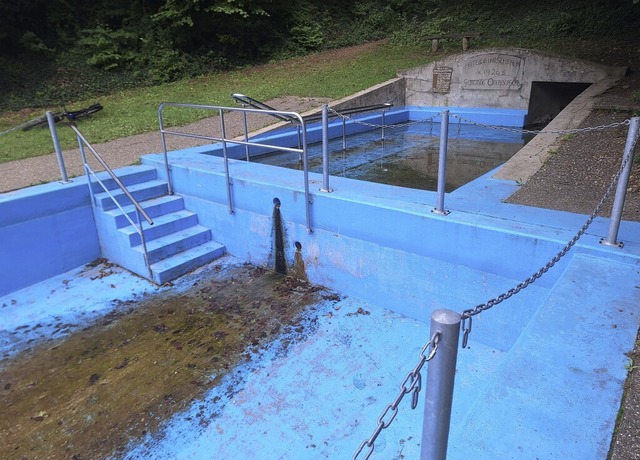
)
(465, 43)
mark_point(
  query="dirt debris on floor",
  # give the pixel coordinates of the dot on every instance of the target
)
(88, 395)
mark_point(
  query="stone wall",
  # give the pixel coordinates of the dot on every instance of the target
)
(493, 78)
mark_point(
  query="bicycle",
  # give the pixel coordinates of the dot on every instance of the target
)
(70, 115)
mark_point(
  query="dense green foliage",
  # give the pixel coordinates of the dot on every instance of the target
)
(56, 52)
(52, 47)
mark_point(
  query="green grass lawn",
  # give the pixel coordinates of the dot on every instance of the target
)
(331, 74)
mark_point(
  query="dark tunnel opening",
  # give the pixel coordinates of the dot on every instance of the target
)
(549, 98)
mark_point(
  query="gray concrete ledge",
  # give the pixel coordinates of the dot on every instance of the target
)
(524, 164)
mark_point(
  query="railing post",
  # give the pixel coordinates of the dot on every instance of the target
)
(165, 155)
(442, 163)
(143, 241)
(344, 133)
(623, 182)
(305, 167)
(85, 166)
(56, 146)
(441, 374)
(325, 149)
(246, 132)
(226, 160)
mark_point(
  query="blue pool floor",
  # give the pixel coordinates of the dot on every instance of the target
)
(554, 394)
(543, 376)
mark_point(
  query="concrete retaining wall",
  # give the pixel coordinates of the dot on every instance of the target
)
(493, 78)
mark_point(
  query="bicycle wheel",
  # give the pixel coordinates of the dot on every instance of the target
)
(42, 121)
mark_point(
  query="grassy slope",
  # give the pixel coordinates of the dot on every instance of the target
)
(329, 74)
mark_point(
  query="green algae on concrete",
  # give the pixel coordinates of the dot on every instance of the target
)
(89, 394)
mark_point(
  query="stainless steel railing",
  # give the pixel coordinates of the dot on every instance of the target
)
(301, 151)
(82, 143)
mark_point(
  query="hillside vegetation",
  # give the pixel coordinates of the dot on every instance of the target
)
(133, 55)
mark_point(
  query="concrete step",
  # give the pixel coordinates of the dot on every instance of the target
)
(162, 226)
(179, 264)
(175, 243)
(568, 363)
(140, 191)
(154, 207)
(128, 175)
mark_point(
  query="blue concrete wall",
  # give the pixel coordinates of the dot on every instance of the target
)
(376, 242)
(44, 231)
(289, 136)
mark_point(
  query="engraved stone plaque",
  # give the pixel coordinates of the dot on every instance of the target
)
(442, 79)
(492, 72)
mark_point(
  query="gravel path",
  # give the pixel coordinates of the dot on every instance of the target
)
(577, 175)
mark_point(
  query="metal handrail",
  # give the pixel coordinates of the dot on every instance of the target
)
(302, 151)
(346, 112)
(82, 142)
(256, 104)
(246, 100)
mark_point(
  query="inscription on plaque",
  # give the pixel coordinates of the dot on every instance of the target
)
(442, 80)
(493, 72)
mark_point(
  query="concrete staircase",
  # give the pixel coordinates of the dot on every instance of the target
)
(176, 242)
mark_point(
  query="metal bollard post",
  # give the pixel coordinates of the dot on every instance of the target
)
(246, 132)
(325, 149)
(344, 133)
(441, 374)
(442, 163)
(56, 146)
(621, 190)
(226, 161)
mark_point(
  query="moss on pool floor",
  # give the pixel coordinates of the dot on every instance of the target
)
(88, 395)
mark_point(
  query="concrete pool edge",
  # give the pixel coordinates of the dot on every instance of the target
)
(402, 219)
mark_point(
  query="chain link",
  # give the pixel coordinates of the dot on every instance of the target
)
(626, 122)
(374, 125)
(411, 384)
(467, 315)
(543, 131)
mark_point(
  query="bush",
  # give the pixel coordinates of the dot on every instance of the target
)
(109, 49)
(162, 65)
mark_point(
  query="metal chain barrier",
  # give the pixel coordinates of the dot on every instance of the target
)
(542, 131)
(467, 315)
(411, 384)
(374, 125)
(484, 125)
